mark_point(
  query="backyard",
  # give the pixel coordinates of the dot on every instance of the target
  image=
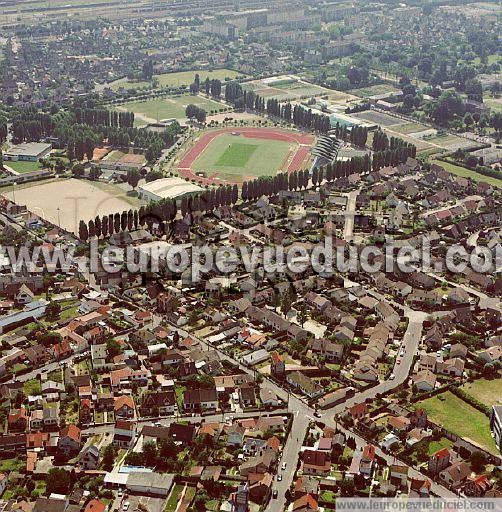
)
(457, 416)
(486, 391)
(468, 173)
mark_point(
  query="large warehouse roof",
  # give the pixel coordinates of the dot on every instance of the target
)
(169, 188)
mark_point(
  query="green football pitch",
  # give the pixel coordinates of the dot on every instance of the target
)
(237, 155)
(246, 158)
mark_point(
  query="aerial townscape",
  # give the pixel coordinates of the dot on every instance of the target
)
(179, 182)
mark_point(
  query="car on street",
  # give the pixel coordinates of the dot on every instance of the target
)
(283, 465)
(392, 376)
(274, 494)
(398, 361)
(125, 506)
(402, 352)
(279, 478)
(317, 414)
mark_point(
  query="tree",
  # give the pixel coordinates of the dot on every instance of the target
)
(58, 481)
(108, 460)
(83, 232)
(53, 311)
(113, 348)
(302, 314)
(478, 461)
(153, 175)
(133, 177)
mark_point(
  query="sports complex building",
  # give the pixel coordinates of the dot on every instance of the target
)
(167, 188)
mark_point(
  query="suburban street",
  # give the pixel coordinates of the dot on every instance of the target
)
(303, 413)
(350, 212)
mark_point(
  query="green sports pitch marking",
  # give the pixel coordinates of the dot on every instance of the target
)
(236, 155)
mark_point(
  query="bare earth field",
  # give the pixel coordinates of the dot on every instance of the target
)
(76, 199)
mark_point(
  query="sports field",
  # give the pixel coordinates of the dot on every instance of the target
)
(178, 79)
(285, 88)
(237, 154)
(21, 166)
(70, 200)
(170, 107)
(231, 156)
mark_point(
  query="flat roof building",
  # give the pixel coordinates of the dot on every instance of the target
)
(28, 151)
(167, 188)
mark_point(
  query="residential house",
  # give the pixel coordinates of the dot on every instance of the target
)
(456, 474)
(327, 349)
(316, 462)
(439, 461)
(259, 464)
(159, 403)
(70, 440)
(277, 366)
(305, 384)
(17, 420)
(89, 458)
(124, 434)
(424, 380)
(124, 407)
(200, 399)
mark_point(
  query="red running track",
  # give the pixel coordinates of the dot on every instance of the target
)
(185, 164)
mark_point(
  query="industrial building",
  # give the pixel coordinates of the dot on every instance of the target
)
(28, 151)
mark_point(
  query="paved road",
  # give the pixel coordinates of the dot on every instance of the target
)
(166, 421)
(290, 455)
(303, 413)
(411, 341)
(350, 211)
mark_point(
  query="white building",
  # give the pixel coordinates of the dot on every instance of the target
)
(167, 188)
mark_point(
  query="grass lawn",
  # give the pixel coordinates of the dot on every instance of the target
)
(486, 391)
(212, 505)
(494, 103)
(18, 367)
(328, 496)
(409, 128)
(14, 464)
(237, 155)
(179, 390)
(467, 173)
(248, 157)
(171, 107)
(115, 156)
(21, 166)
(174, 498)
(187, 77)
(32, 387)
(56, 376)
(69, 313)
(435, 446)
(460, 418)
(366, 92)
(177, 79)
